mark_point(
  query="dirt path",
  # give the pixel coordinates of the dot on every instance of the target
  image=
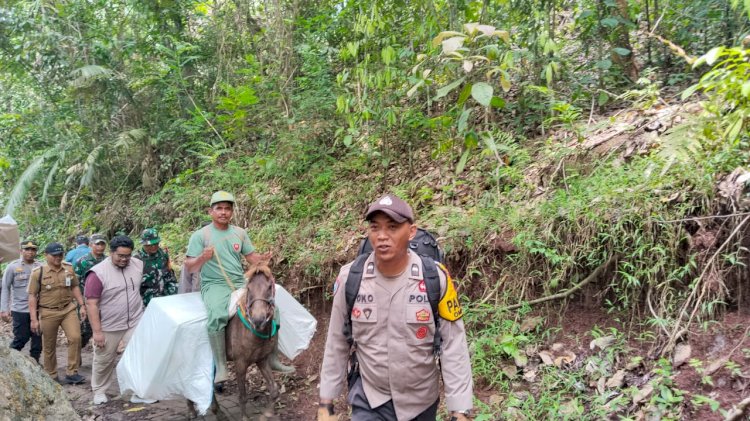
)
(297, 402)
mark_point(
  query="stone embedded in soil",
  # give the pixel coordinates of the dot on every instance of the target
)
(643, 393)
(602, 342)
(617, 380)
(682, 352)
(546, 358)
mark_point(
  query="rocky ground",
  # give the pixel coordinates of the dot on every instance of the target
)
(298, 398)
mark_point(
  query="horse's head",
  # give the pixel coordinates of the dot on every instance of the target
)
(259, 295)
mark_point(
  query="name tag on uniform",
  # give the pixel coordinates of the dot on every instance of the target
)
(67, 281)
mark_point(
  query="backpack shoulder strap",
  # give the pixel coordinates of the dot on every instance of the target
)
(350, 292)
(432, 284)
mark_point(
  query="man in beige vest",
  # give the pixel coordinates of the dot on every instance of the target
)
(114, 307)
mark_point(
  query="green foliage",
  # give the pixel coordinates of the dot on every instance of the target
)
(122, 115)
(728, 86)
(496, 341)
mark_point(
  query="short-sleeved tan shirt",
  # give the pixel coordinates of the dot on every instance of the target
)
(56, 286)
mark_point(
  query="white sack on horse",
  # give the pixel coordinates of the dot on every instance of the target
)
(297, 324)
(168, 356)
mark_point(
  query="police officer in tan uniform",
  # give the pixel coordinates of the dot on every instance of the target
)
(52, 289)
(393, 328)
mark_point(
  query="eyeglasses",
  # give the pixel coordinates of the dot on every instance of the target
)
(123, 256)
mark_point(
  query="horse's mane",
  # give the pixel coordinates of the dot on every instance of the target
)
(262, 268)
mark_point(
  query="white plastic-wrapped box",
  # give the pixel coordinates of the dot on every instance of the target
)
(297, 324)
(169, 356)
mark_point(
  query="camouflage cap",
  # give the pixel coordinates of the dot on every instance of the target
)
(222, 196)
(393, 206)
(28, 244)
(98, 238)
(150, 236)
(55, 249)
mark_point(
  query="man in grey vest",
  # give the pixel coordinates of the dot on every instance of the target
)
(115, 307)
(15, 281)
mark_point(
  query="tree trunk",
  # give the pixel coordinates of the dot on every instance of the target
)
(622, 40)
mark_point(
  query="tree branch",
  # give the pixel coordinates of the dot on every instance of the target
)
(737, 410)
(595, 274)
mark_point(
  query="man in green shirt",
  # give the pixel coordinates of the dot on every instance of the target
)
(217, 251)
(158, 277)
(83, 265)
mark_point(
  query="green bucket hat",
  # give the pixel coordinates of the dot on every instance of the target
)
(150, 236)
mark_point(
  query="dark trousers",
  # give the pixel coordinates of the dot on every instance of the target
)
(22, 334)
(361, 410)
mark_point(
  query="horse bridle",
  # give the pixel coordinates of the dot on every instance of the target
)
(271, 302)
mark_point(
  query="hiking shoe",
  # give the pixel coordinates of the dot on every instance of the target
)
(138, 399)
(100, 398)
(74, 379)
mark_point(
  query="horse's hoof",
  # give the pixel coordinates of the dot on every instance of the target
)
(219, 387)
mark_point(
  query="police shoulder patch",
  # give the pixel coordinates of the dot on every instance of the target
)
(336, 285)
(449, 308)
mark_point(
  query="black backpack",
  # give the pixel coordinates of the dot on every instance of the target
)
(426, 246)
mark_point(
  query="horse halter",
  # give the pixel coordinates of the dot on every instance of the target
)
(271, 302)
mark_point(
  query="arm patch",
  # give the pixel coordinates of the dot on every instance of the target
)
(449, 308)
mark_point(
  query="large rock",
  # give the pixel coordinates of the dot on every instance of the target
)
(27, 392)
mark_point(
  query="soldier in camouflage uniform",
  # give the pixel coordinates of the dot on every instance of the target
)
(83, 265)
(158, 277)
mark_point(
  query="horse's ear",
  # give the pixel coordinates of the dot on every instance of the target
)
(265, 258)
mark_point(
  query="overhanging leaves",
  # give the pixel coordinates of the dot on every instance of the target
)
(482, 93)
(445, 90)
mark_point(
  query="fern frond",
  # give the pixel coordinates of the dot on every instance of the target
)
(680, 144)
(22, 187)
(74, 169)
(90, 166)
(86, 75)
(126, 139)
(49, 179)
